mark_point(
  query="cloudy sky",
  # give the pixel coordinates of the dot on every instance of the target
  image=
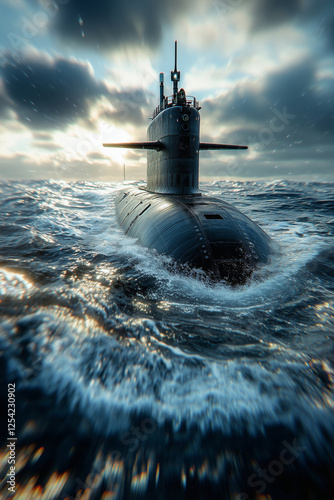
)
(77, 73)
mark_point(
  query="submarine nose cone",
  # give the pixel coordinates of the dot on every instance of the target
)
(199, 232)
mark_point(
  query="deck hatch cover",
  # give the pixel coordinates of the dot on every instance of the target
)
(213, 216)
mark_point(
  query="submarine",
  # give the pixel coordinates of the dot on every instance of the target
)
(171, 215)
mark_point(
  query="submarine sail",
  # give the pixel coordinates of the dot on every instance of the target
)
(171, 215)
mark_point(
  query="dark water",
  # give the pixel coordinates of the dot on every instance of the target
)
(135, 381)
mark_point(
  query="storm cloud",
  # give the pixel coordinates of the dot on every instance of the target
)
(268, 13)
(109, 24)
(133, 106)
(262, 70)
(4, 102)
(287, 106)
(48, 93)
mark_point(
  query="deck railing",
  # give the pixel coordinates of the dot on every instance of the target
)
(170, 101)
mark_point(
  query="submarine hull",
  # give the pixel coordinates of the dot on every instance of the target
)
(198, 231)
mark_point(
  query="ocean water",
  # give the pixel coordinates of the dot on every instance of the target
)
(134, 380)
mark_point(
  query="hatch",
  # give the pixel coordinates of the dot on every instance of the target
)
(213, 216)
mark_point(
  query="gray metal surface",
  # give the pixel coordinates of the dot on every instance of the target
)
(175, 168)
(200, 231)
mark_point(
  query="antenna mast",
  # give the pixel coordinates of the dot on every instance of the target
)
(175, 75)
(162, 89)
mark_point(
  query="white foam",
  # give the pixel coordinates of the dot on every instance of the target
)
(109, 379)
(14, 284)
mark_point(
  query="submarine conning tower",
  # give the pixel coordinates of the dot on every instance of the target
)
(174, 169)
(173, 142)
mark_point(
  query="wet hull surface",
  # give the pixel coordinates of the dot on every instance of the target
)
(198, 231)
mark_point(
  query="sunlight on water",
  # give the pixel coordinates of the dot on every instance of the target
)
(14, 284)
(103, 333)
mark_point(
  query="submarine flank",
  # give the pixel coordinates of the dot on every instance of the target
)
(171, 215)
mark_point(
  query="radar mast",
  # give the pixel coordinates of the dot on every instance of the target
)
(175, 75)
